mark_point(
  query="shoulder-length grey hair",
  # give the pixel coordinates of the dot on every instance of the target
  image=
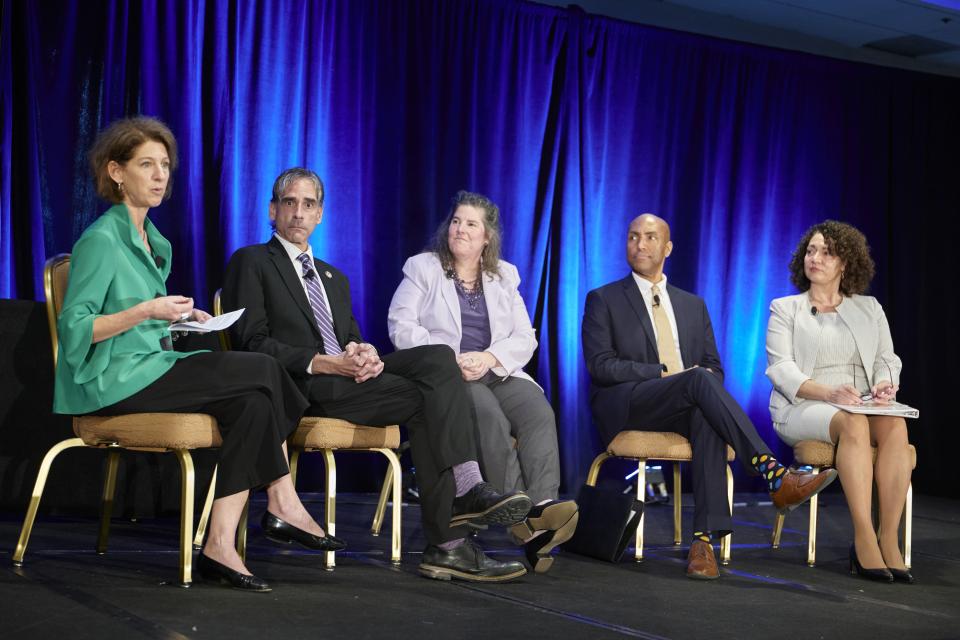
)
(490, 257)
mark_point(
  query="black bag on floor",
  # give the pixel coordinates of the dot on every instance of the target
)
(608, 520)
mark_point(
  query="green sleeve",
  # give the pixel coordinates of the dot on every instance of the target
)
(92, 269)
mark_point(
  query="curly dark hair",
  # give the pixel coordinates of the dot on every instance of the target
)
(847, 243)
(490, 258)
(118, 142)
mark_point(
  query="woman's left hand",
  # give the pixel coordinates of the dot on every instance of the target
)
(199, 315)
(884, 392)
(475, 364)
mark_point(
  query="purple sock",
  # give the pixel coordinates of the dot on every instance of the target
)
(466, 476)
(450, 545)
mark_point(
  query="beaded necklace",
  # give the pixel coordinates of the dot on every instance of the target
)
(472, 296)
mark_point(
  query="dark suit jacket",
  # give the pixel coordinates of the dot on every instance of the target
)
(620, 347)
(278, 319)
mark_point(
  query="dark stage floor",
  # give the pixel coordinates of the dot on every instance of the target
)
(65, 590)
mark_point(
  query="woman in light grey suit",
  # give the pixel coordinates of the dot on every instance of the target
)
(461, 294)
(829, 344)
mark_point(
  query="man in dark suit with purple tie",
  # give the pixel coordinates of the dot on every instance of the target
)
(298, 310)
(654, 366)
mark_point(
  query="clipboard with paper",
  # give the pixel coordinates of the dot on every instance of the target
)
(880, 409)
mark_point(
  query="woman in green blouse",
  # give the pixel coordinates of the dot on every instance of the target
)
(115, 354)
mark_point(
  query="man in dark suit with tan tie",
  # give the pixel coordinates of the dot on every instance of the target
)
(654, 366)
(298, 310)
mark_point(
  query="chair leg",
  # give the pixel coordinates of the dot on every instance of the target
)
(677, 492)
(907, 532)
(641, 491)
(595, 468)
(330, 515)
(812, 530)
(294, 459)
(725, 541)
(777, 530)
(42, 474)
(186, 516)
(384, 496)
(395, 480)
(106, 505)
(205, 513)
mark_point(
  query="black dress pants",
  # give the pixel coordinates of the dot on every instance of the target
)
(695, 404)
(254, 400)
(423, 389)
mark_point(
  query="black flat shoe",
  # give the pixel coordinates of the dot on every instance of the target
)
(483, 505)
(557, 520)
(880, 575)
(276, 530)
(902, 575)
(212, 571)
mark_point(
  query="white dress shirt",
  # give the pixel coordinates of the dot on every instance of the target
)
(646, 290)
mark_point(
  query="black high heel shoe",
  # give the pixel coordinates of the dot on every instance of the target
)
(212, 571)
(880, 575)
(902, 575)
(276, 530)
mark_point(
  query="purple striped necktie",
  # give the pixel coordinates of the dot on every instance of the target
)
(320, 311)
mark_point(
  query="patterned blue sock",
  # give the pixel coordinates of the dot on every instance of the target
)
(771, 470)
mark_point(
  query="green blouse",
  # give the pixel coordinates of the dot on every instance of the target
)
(110, 271)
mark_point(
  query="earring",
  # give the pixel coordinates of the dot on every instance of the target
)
(120, 187)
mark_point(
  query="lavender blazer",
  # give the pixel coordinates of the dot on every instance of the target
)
(425, 310)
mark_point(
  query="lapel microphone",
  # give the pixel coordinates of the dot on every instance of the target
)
(813, 311)
(656, 300)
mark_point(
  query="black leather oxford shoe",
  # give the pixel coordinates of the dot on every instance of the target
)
(483, 505)
(467, 562)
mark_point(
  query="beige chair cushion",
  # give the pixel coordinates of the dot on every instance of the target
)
(821, 454)
(330, 433)
(655, 445)
(154, 431)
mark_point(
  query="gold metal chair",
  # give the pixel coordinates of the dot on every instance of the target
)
(819, 454)
(658, 445)
(326, 435)
(156, 432)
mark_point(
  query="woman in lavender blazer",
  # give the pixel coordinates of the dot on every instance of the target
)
(462, 295)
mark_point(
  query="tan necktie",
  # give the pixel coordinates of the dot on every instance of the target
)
(665, 344)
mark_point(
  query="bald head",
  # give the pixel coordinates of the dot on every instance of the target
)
(651, 219)
(648, 245)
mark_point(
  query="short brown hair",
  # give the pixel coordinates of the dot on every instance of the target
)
(490, 258)
(118, 142)
(847, 243)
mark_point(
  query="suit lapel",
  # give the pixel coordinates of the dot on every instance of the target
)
(291, 280)
(492, 291)
(131, 239)
(449, 292)
(863, 334)
(684, 319)
(632, 292)
(806, 336)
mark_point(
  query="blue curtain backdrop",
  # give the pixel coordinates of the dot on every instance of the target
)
(573, 123)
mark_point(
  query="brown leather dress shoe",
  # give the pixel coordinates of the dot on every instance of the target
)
(797, 488)
(701, 561)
